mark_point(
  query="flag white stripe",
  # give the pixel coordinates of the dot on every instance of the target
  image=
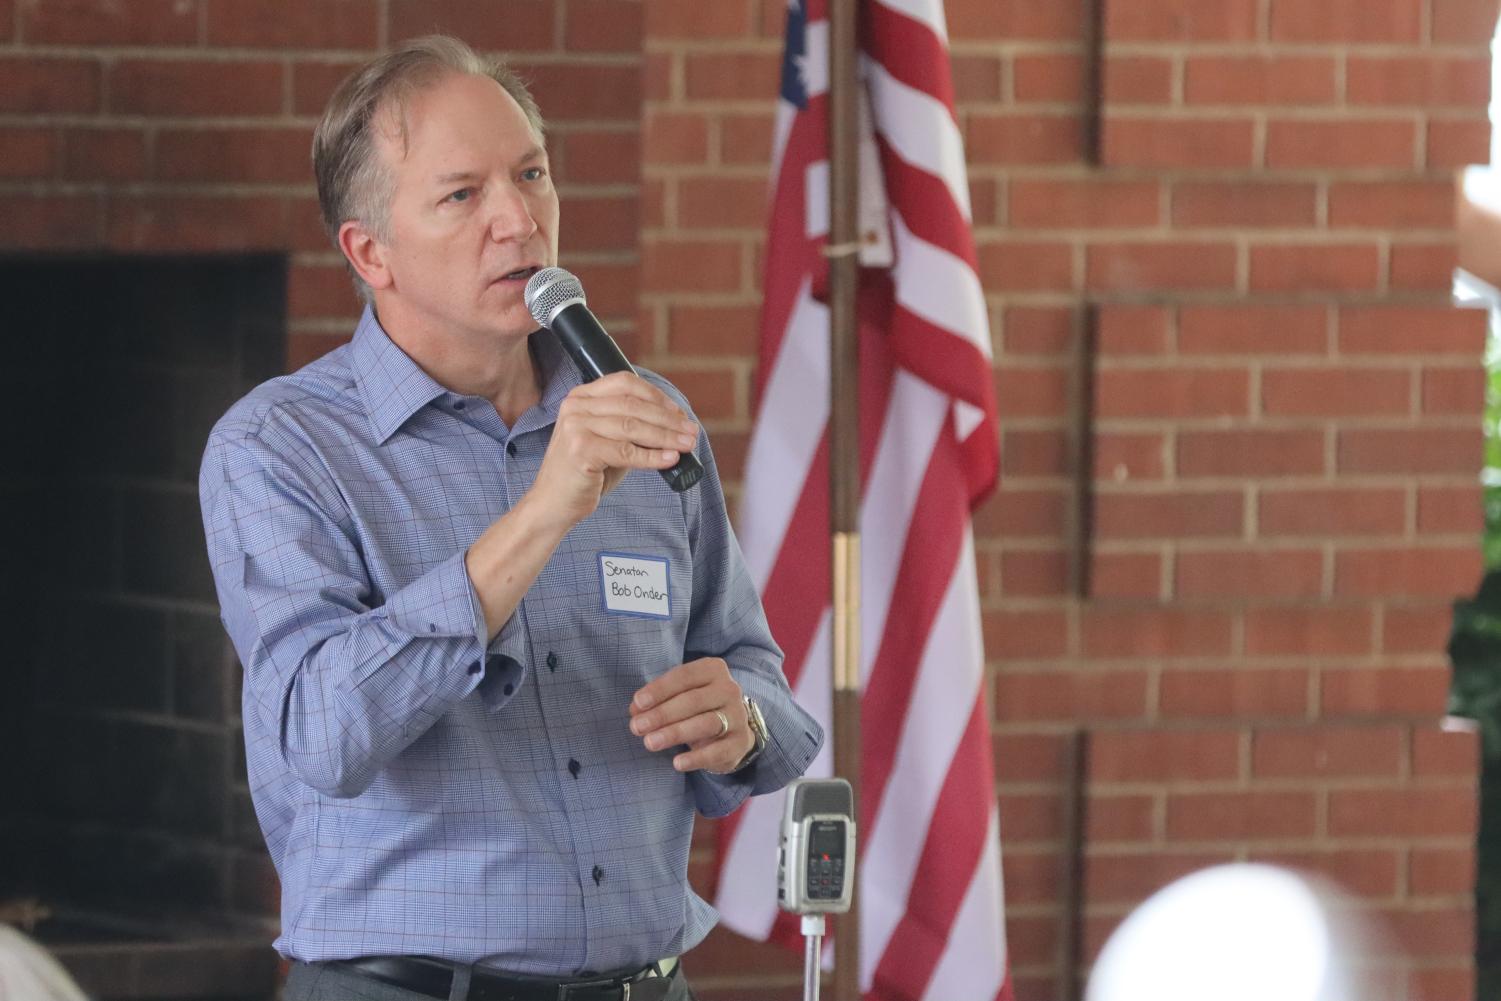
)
(781, 129)
(781, 450)
(920, 130)
(948, 682)
(815, 59)
(914, 420)
(816, 199)
(939, 287)
(973, 964)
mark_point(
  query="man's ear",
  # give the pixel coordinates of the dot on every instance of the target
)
(365, 253)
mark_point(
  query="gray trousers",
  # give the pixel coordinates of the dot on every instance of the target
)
(322, 982)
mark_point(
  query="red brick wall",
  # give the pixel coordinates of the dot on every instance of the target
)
(1286, 438)
(185, 125)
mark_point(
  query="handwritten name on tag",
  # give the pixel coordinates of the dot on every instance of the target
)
(635, 585)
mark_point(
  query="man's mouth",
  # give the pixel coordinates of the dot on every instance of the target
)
(520, 274)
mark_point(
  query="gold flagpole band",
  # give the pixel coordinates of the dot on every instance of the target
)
(846, 611)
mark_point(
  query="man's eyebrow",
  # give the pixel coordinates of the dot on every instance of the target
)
(535, 153)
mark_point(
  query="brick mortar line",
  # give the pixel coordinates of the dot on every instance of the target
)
(1252, 784)
(726, 299)
(585, 189)
(1284, 544)
(656, 45)
(1317, 843)
(1147, 425)
(693, 234)
(1333, 48)
(1274, 482)
(666, 170)
(1078, 173)
(157, 188)
(1313, 235)
(289, 57)
(1436, 422)
(1147, 361)
(1069, 664)
(1231, 114)
(1164, 237)
(1227, 295)
(1121, 110)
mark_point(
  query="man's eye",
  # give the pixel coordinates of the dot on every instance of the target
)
(461, 195)
(533, 174)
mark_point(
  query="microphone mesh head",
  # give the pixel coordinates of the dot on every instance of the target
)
(549, 289)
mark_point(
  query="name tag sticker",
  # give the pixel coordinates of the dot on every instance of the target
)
(635, 585)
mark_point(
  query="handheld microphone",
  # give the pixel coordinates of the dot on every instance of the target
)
(556, 301)
(816, 867)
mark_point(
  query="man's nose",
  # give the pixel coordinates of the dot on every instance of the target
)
(511, 215)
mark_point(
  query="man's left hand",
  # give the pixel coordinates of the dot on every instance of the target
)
(684, 705)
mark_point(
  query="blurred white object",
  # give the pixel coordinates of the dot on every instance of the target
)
(28, 973)
(1233, 933)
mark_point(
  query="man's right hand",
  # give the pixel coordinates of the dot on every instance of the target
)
(605, 429)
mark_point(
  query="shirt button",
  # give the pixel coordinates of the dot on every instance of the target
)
(598, 875)
(475, 668)
(552, 661)
(511, 448)
(509, 688)
(574, 767)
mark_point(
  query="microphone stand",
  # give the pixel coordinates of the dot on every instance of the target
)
(813, 929)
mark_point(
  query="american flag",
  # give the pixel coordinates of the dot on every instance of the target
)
(929, 454)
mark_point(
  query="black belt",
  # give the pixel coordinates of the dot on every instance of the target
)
(434, 978)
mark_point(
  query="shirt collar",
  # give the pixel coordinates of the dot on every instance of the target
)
(559, 376)
(393, 387)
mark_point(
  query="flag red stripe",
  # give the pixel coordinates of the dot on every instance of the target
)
(950, 855)
(927, 205)
(910, 52)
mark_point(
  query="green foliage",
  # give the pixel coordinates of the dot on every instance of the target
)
(1475, 653)
(1475, 688)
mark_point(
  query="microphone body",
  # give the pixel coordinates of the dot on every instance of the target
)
(556, 301)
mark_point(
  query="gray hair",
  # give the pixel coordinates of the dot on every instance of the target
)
(352, 181)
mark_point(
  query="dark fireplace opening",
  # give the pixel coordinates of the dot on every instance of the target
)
(128, 837)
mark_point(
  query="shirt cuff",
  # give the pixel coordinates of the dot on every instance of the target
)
(504, 664)
(439, 603)
(793, 739)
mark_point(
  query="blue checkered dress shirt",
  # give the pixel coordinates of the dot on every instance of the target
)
(426, 790)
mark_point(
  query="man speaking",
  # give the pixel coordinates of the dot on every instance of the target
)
(493, 663)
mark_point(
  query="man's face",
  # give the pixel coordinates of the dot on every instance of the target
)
(473, 210)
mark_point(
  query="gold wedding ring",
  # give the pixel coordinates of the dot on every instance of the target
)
(724, 724)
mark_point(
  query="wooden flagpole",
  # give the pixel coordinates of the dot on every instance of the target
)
(844, 438)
